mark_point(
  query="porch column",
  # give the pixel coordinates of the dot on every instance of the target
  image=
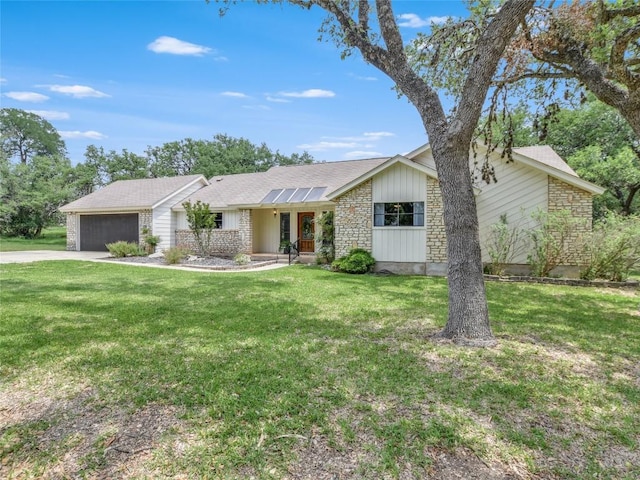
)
(246, 232)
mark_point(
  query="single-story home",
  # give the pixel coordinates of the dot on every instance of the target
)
(389, 206)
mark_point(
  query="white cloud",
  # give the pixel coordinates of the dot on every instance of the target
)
(78, 91)
(411, 20)
(51, 114)
(175, 46)
(321, 146)
(234, 94)
(256, 107)
(311, 93)
(78, 134)
(27, 96)
(378, 135)
(277, 100)
(365, 79)
(362, 154)
(3, 80)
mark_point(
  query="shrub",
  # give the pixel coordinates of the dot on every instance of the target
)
(357, 261)
(613, 248)
(242, 259)
(175, 255)
(502, 245)
(555, 241)
(152, 242)
(202, 223)
(324, 226)
(125, 249)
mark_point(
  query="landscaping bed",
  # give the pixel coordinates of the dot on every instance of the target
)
(192, 261)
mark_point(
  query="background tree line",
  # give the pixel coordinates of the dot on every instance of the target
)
(37, 177)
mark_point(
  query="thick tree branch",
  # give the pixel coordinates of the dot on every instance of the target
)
(389, 30)
(490, 48)
(617, 60)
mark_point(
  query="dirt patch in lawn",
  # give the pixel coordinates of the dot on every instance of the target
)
(79, 436)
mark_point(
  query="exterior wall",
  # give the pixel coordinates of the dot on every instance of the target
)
(230, 220)
(580, 203)
(266, 226)
(353, 219)
(399, 183)
(223, 242)
(72, 229)
(145, 219)
(246, 232)
(436, 241)
(519, 192)
(165, 221)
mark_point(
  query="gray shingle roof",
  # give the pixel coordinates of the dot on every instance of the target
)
(547, 156)
(130, 194)
(252, 188)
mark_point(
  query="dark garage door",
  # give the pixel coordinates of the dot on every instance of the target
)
(98, 230)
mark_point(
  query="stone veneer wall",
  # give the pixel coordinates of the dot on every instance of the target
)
(245, 231)
(436, 236)
(72, 235)
(223, 242)
(353, 216)
(145, 219)
(563, 196)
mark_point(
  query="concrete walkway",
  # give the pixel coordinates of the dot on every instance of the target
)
(38, 255)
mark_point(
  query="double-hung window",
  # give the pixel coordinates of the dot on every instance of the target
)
(217, 219)
(398, 214)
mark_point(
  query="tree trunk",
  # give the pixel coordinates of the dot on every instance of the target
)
(468, 321)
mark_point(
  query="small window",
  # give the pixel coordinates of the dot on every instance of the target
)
(217, 219)
(398, 214)
(285, 227)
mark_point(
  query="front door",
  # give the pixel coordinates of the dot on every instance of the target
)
(306, 231)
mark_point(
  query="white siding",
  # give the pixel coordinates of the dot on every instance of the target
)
(399, 183)
(519, 191)
(164, 220)
(230, 220)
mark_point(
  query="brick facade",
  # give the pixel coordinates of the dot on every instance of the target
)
(145, 219)
(353, 217)
(579, 203)
(245, 232)
(436, 236)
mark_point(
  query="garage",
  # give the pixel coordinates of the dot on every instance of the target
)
(98, 230)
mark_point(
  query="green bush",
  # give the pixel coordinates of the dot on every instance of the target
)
(175, 255)
(125, 249)
(242, 259)
(357, 261)
(151, 242)
(613, 248)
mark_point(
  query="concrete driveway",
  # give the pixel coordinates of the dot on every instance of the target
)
(38, 255)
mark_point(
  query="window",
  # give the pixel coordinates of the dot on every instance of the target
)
(285, 227)
(217, 219)
(398, 214)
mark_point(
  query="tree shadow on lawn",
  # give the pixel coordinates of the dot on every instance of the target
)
(262, 374)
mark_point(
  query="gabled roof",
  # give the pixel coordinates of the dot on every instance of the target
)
(140, 194)
(254, 189)
(374, 171)
(540, 157)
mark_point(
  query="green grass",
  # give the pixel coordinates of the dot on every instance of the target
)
(267, 374)
(52, 238)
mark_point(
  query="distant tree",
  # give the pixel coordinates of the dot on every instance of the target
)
(30, 194)
(103, 167)
(223, 155)
(25, 135)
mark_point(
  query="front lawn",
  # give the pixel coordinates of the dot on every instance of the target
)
(114, 371)
(52, 238)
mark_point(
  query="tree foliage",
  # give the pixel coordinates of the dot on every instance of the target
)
(25, 135)
(30, 194)
(202, 223)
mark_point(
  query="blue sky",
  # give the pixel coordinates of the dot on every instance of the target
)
(126, 75)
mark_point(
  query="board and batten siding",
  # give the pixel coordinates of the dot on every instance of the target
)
(164, 221)
(399, 183)
(230, 220)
